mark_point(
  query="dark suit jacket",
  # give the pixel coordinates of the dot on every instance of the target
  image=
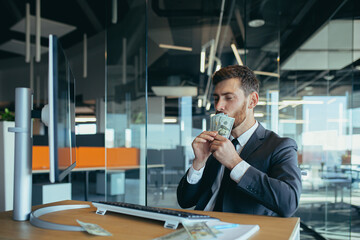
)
(271, 185)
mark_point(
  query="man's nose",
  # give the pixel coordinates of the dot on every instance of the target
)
(220, 106)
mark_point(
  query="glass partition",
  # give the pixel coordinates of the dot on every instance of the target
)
(321, 80)
(185, 46)
(81, 32)
(125, 102)
(307, 64)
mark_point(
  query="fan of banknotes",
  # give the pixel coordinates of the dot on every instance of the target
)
(222, 123)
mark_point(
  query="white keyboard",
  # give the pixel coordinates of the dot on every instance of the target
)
(172, 218)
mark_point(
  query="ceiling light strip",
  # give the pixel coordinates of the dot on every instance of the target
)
(180, 48)
(169, 120)
(124, 62)
(299, 121)
(27, 33)
(259, 114)
(32, 74)
(236, 53)
(267, 74)
(211, 58)
(218, 64)
(114, 11)
(38, 32)
(85, 57)
(202, 61)
(85, 119)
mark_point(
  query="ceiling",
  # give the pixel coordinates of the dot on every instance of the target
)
(289, 26)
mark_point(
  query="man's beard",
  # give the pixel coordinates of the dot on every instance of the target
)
(240, 115)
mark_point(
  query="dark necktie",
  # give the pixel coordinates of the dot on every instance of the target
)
(224, 182)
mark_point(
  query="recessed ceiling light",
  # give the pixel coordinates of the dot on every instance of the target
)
(256, 23)
(329, 77)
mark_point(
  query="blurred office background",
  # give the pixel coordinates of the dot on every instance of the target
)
(143, 91)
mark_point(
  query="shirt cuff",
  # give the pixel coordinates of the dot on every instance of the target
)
(239, 170)
(194, 176)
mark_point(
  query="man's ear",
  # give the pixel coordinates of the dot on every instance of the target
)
(253, 100)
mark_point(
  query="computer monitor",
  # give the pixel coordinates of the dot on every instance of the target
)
(61, 126)
(61, 130)
(60, 118)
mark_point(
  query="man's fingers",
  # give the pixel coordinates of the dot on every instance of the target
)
(212, 133)
(209, 136)
(220, 138)
(216, 143)
(200, 140)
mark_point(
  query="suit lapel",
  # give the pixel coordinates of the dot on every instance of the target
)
(254, 142)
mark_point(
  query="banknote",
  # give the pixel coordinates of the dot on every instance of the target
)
(222, 123)
(217, 122)
(225, 126)
(199, 230)
(94, 229)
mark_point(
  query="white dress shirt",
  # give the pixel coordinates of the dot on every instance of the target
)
(236, 173)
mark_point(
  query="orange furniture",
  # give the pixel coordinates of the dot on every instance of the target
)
(90, 157)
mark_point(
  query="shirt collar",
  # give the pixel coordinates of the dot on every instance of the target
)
(246, 135)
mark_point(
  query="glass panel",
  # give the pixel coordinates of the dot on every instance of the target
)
(304, 93)
(87, 17)
(262, 56)
(185, 48)
(125, 103)
(317, 92)
(88, 64)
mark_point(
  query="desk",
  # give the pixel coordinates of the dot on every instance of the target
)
(338, 183)
(128, 227)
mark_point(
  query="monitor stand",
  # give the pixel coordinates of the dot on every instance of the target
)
(36, 221)
(23, 168)
(23, 154)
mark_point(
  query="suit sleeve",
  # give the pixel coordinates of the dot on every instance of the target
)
(187, 194)
(279, 188)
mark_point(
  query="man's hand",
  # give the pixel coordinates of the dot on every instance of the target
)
(201, 148)
(223, 150)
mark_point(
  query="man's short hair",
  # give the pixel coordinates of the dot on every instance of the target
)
(248, 81)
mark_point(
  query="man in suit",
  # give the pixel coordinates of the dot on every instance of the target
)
(259, 175)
